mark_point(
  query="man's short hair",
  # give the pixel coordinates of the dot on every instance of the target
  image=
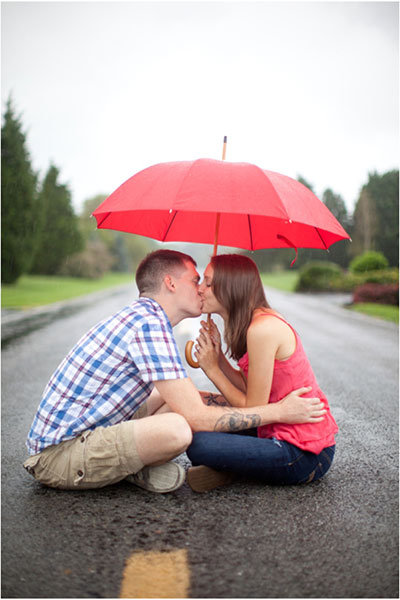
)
(153, 268)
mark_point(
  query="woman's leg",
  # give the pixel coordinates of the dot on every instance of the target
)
(268, 460)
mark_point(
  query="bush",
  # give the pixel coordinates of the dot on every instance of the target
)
(369, 261)
(349, 281)
(383, 276)
(92, 263)
(318, 276)
(377, 293)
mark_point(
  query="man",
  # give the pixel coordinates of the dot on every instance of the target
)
(120, 405)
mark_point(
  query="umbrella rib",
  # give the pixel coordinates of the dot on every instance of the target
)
(169, 226)
(326, 247)
(277, 194)
(178, 192)
(251, 233)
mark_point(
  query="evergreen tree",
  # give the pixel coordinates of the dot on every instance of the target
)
(19, 225)
(385, 191)
(376, 216)
(61, 236)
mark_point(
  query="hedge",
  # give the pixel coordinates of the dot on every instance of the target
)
(314, 276)
(377, 293)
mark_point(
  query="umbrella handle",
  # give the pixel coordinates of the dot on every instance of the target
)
(189, 345)
(188, 349)
(188, 355)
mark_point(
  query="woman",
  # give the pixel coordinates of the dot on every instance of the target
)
(272, 362)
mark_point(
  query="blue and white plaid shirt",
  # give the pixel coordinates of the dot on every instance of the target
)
(107, 375)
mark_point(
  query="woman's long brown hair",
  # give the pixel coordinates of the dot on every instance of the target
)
(237, 286)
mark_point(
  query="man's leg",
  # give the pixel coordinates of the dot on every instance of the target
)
(106, 455)
(161, 437)
(158, 439)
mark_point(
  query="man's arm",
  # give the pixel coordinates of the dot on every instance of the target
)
(183, 398)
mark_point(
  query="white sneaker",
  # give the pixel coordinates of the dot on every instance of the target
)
(160, 479)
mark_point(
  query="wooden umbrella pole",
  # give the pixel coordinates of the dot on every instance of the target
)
(216, 234)
(189, 345)
(219, 214)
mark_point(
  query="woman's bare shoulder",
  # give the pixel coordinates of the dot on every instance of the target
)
(262, 314)
(263, 323)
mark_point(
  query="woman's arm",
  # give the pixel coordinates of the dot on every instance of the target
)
(262, 346)
(235, 376)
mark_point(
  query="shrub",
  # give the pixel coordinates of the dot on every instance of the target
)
(318, 276)
(349, 281)
(378, 293)
(383, 276)
(92, 263)
(369, 261)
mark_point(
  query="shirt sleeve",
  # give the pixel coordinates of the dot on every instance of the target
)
(155, 353)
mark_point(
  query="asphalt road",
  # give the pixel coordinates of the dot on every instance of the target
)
(336, 538)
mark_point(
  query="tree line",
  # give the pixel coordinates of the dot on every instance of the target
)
(41, 233)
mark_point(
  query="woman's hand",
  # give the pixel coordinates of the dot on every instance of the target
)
(206, 351)
(213, 330)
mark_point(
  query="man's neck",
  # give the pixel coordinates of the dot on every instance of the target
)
(167, 307)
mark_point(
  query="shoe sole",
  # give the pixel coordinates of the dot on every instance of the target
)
(203, 479)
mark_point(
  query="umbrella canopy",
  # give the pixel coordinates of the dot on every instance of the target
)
(180, 201)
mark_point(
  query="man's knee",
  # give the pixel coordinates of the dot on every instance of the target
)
(180, 431)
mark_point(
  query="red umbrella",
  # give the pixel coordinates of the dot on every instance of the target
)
(213, 201)
(180, 201)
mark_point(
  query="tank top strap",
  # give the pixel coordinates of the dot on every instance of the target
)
(281, 319)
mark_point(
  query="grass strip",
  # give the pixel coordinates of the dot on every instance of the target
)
(37, 290)
(380, 311)
(281, 280)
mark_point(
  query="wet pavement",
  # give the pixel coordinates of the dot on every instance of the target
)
(18, 322)
(335, 538)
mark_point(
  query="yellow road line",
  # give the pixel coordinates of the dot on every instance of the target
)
(156, 575)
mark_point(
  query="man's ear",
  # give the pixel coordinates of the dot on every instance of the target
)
(169, 283)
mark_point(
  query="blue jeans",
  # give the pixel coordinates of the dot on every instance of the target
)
(267, 460)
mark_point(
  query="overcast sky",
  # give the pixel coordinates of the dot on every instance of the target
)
(106, 89)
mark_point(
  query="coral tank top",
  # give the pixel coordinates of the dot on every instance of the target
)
(290, 374)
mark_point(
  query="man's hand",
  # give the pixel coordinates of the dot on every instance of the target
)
(293, 408)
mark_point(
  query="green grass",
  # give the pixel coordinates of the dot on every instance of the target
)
(282, 280)
(38, 290)
(381, 311)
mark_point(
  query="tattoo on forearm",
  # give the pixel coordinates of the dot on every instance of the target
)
(235, 421)
(215, 400)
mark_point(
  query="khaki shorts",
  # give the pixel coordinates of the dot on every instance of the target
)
(94, 459)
